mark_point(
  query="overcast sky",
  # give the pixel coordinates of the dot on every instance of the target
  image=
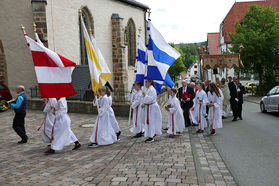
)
(187, 21)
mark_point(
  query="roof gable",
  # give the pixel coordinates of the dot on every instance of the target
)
(213, 43)
(238, 11)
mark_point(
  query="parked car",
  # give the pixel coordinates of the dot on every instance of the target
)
(270, 102)
(5, 94)
(250, 87)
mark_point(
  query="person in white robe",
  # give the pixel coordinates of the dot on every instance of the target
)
(62, 135)
(114, 122)
(103, 132)
(48, 120)
(137, 111)
(215, 104)
(226, 102)
(152, 112)
(199, 108)
(168, 104)
(176, 123)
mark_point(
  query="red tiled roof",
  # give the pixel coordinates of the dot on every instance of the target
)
(238, 11)
(213, 42)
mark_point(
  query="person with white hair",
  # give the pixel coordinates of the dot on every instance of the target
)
(20, 112)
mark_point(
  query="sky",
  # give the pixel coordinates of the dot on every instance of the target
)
(188, 21)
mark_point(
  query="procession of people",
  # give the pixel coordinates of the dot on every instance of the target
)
(194, 104)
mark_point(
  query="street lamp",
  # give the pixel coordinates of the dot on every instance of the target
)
(200, 52)
(240, 53)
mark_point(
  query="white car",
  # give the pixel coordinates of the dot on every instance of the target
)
(270, 102)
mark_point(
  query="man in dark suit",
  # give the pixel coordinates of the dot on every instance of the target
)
(241, 91)
(234, 97)
(186, 103)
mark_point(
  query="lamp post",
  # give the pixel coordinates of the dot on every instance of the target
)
(200, 52)
(240, 54)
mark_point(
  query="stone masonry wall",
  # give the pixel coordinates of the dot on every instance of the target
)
(3, 65)
(39, 18)
(120, 72)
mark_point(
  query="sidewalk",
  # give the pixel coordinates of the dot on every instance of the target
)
(188, 159)
(252, 99)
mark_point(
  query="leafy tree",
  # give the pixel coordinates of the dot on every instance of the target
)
(259, 34)
(178, 66)
(191, 54)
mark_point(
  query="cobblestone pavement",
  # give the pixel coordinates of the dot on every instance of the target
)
(167, 161)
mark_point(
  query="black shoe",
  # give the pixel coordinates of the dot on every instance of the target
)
(240, 118)
(199, 131)
(50, 151)
(93, 145)
(166, 128)
(22, 141)
(223, 117)
(138, 135)
(118, 134)
(149, 140)
(234, 119)
(77, 146)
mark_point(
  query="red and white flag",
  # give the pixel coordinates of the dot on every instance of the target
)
(54, 72)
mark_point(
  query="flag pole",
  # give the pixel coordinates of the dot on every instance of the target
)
(90, 34)
(23, 29)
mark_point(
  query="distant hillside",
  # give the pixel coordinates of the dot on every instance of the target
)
(190, 51)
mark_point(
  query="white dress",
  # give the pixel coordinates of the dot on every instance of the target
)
(114, 122)
(226, 101)
(152, 114)
(103, 133)
(199, 112)
(62, 133)
(138, 122)
(48, 121)
(215, 112)
(176, 121)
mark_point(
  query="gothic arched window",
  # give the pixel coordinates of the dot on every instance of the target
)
(89, 23)
(131, 39)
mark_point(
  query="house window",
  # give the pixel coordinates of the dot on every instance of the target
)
(89, 23)
(131, 41)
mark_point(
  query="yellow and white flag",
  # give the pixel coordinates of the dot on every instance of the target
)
(99, 71)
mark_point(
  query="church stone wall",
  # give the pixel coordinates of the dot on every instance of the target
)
(19, 62)
(63, 28)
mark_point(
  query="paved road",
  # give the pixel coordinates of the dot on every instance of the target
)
(250, 148)
(168, 161)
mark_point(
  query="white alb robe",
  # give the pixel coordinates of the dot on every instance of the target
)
(62, 133)
(138, 122)
(176, 121)
(48, 121)
(215, 112)
(226, 101)
(103, 132)
(152, 114)
(114, 123)
(199, 112)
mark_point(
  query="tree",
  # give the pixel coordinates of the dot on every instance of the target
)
(191, 54)
(178, 66)
(259, 34)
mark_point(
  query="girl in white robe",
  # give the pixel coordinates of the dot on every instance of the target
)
(215, 105)
(49, 119)
(152, 113)
(62, 134)
(103, 132)
(114, 122)
(176, 123)
(199, 108)
(137, 111)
